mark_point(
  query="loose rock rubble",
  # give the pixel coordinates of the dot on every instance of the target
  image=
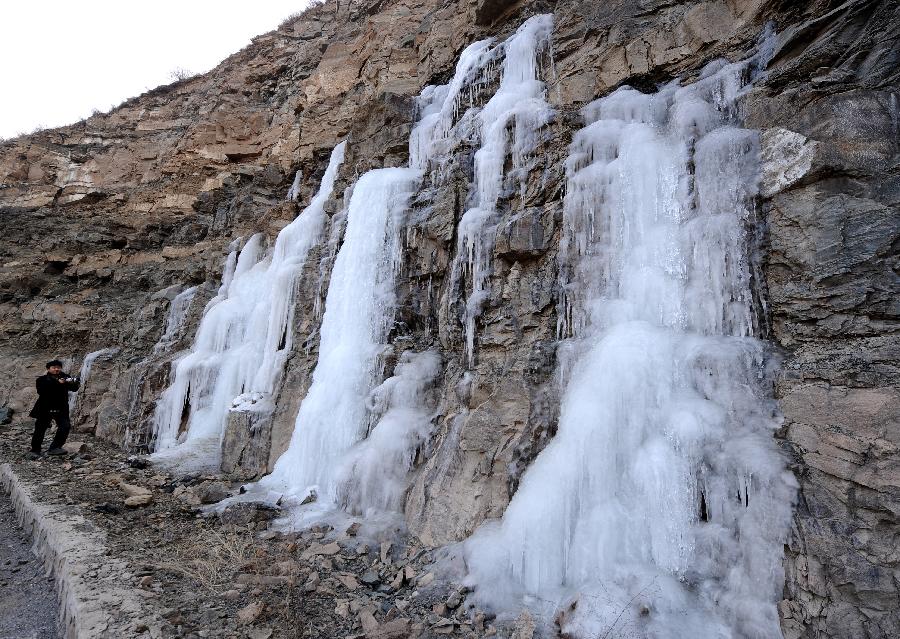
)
(105, 221)
(230, 575)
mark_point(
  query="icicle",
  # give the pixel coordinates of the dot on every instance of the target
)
(519, 101)
(227, 272)
(642, 508)
(293, 193)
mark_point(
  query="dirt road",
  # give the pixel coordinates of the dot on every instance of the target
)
(28, 606)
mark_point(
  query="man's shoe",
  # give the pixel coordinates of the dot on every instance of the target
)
(57, 451)
(33, 455)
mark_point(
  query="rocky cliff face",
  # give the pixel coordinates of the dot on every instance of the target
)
(829, 110)
(105, 222)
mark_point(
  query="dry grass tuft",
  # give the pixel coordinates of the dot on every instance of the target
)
(212, 558)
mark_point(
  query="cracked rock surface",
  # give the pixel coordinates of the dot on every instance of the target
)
(104, 222)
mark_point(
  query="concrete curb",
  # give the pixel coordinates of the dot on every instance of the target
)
(95, 601)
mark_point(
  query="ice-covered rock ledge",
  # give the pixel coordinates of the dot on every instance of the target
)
(88, 581)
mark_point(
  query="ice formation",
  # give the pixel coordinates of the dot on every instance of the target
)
(518, 104)
(294, 192)
(85, 374)
(439, 105)
(329, 453)
(178, 311)
(244, 336)
(358, 314)
(660, 507)
(372, 477)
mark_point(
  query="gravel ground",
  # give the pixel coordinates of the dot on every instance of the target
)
(236, 577)
(28, 605)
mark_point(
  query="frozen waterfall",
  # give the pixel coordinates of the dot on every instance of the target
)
(661, 506)
(518, 104)
(358, 315)
(85, 373)
(245, 334)
(373, 474)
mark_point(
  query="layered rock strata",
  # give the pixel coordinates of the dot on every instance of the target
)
(105, 222)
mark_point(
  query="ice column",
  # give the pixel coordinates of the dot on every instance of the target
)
(517, 106)
(662, 503)
(359, 310)
(244, 336)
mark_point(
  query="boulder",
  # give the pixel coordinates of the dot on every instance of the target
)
(134, 491)
(139, 501)
(251, 612)
(244, 513)
(394, 629)
(212, 492)
(75, 448)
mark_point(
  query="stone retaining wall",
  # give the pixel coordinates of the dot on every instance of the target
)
(94, 603)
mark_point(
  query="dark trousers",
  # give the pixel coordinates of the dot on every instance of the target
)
(41, 424)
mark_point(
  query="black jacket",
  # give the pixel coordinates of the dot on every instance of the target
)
(53, 397)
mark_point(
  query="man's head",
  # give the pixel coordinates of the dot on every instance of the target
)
(54, 367)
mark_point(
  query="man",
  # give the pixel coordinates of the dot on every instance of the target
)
(52, 405)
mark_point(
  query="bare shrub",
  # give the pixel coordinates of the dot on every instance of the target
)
(180, 73)
(290, 20)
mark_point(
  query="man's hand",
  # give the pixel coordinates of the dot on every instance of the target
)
(62, 380)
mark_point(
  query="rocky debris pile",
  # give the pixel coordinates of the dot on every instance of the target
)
(231, 575)
(358, 589)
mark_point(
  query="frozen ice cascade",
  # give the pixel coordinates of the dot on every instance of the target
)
(519, 101)
(661, 506)
(178, 311)
(439, 105)
(333, 452)
(359, 311)
(85, 373)
(373, 474)
(518, 105)
(244, 336)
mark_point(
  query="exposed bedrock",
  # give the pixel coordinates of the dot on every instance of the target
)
(106, 223)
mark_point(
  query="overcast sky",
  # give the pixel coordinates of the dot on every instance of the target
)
(61, 59)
